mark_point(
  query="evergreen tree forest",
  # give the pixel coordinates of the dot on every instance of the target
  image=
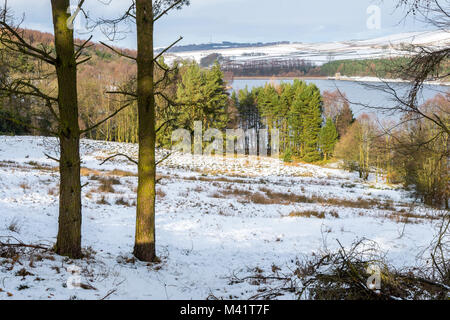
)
(296, 110)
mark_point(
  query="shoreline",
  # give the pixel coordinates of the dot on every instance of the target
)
(280, 78)
(342, 78)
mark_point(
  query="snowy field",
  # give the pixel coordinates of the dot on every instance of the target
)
(216, 219)
(320, 53)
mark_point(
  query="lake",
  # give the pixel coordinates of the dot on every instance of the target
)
(357, 92)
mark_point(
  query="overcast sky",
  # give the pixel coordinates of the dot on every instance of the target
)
(246, 20)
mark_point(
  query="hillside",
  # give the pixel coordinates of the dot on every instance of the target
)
(217, 222)
(320, 53)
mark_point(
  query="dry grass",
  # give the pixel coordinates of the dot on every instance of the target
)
(14, 225)
(24, 186)
(42, 167)
(160, 194)
(27, 166)
(85, 172)
(216, 179)
(267, 196)
(260, 198)
(121, 173)
(106, 185)
(97, 175)
(313, 213)
(123, 202)
(409, 217)
(53, 191)
(198, 189)
(102, 201)
(308, 214)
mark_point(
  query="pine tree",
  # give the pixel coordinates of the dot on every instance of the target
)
(344, 120)
(190, 96)
(202, 96)
(328, 138)
(216, 99)
(312, 121)
(247, 109)
(268, 100)
(147, 13)
(296, 118)
(282, 113)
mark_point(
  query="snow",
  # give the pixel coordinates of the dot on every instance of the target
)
(385, 80)
(204, 235)
(319, 53)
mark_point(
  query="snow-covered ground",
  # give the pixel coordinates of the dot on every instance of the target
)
(375, 79)
(215, 218)
(319, 53)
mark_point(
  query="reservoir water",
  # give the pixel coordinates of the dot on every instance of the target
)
(360, 94)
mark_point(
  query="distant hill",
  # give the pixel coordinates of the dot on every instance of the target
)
(350, 58)
(315, 53)
(220, 46)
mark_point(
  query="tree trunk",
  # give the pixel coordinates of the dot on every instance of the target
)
(69, 232)
(144, 248)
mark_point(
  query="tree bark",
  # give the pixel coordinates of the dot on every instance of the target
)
(69, 232)
(144, 248)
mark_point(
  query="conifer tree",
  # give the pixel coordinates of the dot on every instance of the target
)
(267, 103)
(202, 96)
(344, 120)
(216, 98)
(328, 138)
(296, 119)
(312, 121)
(147, 12)
(282, 113)
(60, 63)
(247, 109)
(190, 97)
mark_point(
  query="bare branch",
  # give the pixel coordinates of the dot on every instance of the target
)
(119, 155)
(20, 45)
(81, 47)
(118, 52)
(167, 10)
(167, 49)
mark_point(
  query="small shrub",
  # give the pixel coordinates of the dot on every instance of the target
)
(106, 184)
(308, 214)
(287, 156)
(160, 194)
(122, 173)
(102, 201)
(53, 191)
(89, 172)
(334, 214)
(122, 202)
(259, 198)
(24, 186)
(216, 195)
(14, 225)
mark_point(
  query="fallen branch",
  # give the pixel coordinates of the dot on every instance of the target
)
(20, 244)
